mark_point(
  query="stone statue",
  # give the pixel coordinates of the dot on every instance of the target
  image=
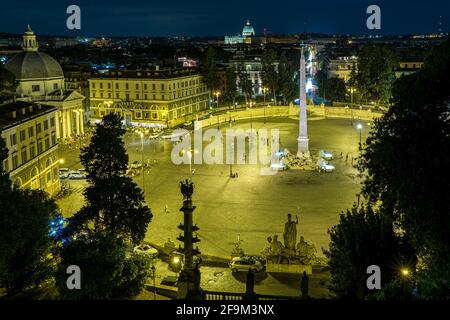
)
(302, 248)
(276, 248)
(290, 232)
(266, 252)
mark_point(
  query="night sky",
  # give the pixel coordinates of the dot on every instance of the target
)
(220, 17)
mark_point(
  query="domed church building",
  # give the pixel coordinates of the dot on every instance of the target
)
(41, 80)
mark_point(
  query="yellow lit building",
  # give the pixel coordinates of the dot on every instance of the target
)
(157, 98)
(29, 131)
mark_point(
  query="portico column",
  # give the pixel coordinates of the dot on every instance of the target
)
(63, 124)
(69, 122)
(57, 125)
(81, 121)
(77, 121)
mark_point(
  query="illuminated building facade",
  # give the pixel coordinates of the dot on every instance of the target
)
(29, 131)
(149, 98)
(41, 79)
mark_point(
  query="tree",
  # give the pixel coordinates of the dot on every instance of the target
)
(8, 83)
(114, 203)
(376, 72)
(106, 272)
(25, 243)
(231, 89)
(269, 74)
(208, 69)
(244, 81)
(404, 161)
(286, 78)
(333, 89)
(364, 237)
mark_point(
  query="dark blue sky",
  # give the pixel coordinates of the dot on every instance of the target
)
(219, 17)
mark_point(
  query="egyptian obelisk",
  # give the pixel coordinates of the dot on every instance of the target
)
(303, 141)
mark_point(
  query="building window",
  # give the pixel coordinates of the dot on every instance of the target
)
(154, 86)
(101, 94)
(137, 86)
(15, 160)
(109, 85)
(126, 85)
(117, 86)
(52, 122)
(101, 85)
(117, 96)
(47, 143)
(22, 135)
(55, 86)
(93, 85)
(40, 146)
(162, 97)
(145, 86)
(162, 86)
(127, 97)
(145, 96)
(32, 151)
(38, 128)
(13, 139)
(24, 155)
(35, 88)
(93, 94)
(109, 95)
(45, 124)
(137, 96)
(154, 97)
(30, 132)
(53, 139)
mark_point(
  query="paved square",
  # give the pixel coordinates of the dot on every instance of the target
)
(253, 206)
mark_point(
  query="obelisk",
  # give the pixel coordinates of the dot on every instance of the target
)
(303, 141)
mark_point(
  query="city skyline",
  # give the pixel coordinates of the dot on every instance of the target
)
(202, 18)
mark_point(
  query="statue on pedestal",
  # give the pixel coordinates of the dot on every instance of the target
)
(290, 233)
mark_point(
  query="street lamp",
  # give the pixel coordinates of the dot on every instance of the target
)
(360, 126)
(189, 153)
(217, 94)
(142, 154)
(61, 161)
(265, 89)
(154, 282)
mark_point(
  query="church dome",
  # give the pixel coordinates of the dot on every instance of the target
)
(34, 65)
(248, 29)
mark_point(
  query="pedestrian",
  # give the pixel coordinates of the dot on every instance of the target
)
(341, 155)
(346, 157)
(166, 208)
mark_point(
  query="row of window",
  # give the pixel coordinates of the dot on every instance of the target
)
(37, 87)
(146, 96)
(31, 131)
(26, 154)
(181, 84)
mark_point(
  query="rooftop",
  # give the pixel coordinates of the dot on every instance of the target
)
(12, 114)
(146, 74)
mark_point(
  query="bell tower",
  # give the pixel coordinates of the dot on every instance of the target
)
(29, 40)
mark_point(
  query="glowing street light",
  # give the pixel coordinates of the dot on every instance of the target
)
(189, 154)
(217, 94)
(360, 126)
(404, 272)
(61, 161)
(142, 154)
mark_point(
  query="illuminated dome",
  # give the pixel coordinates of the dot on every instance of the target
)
(248, 30)
(37, 73)
(32, 64)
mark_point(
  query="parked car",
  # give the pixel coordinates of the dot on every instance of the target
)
(136, 165)
(187, 124)
(327, 155)
(146, 249)
(76, 175)
(244, 264)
